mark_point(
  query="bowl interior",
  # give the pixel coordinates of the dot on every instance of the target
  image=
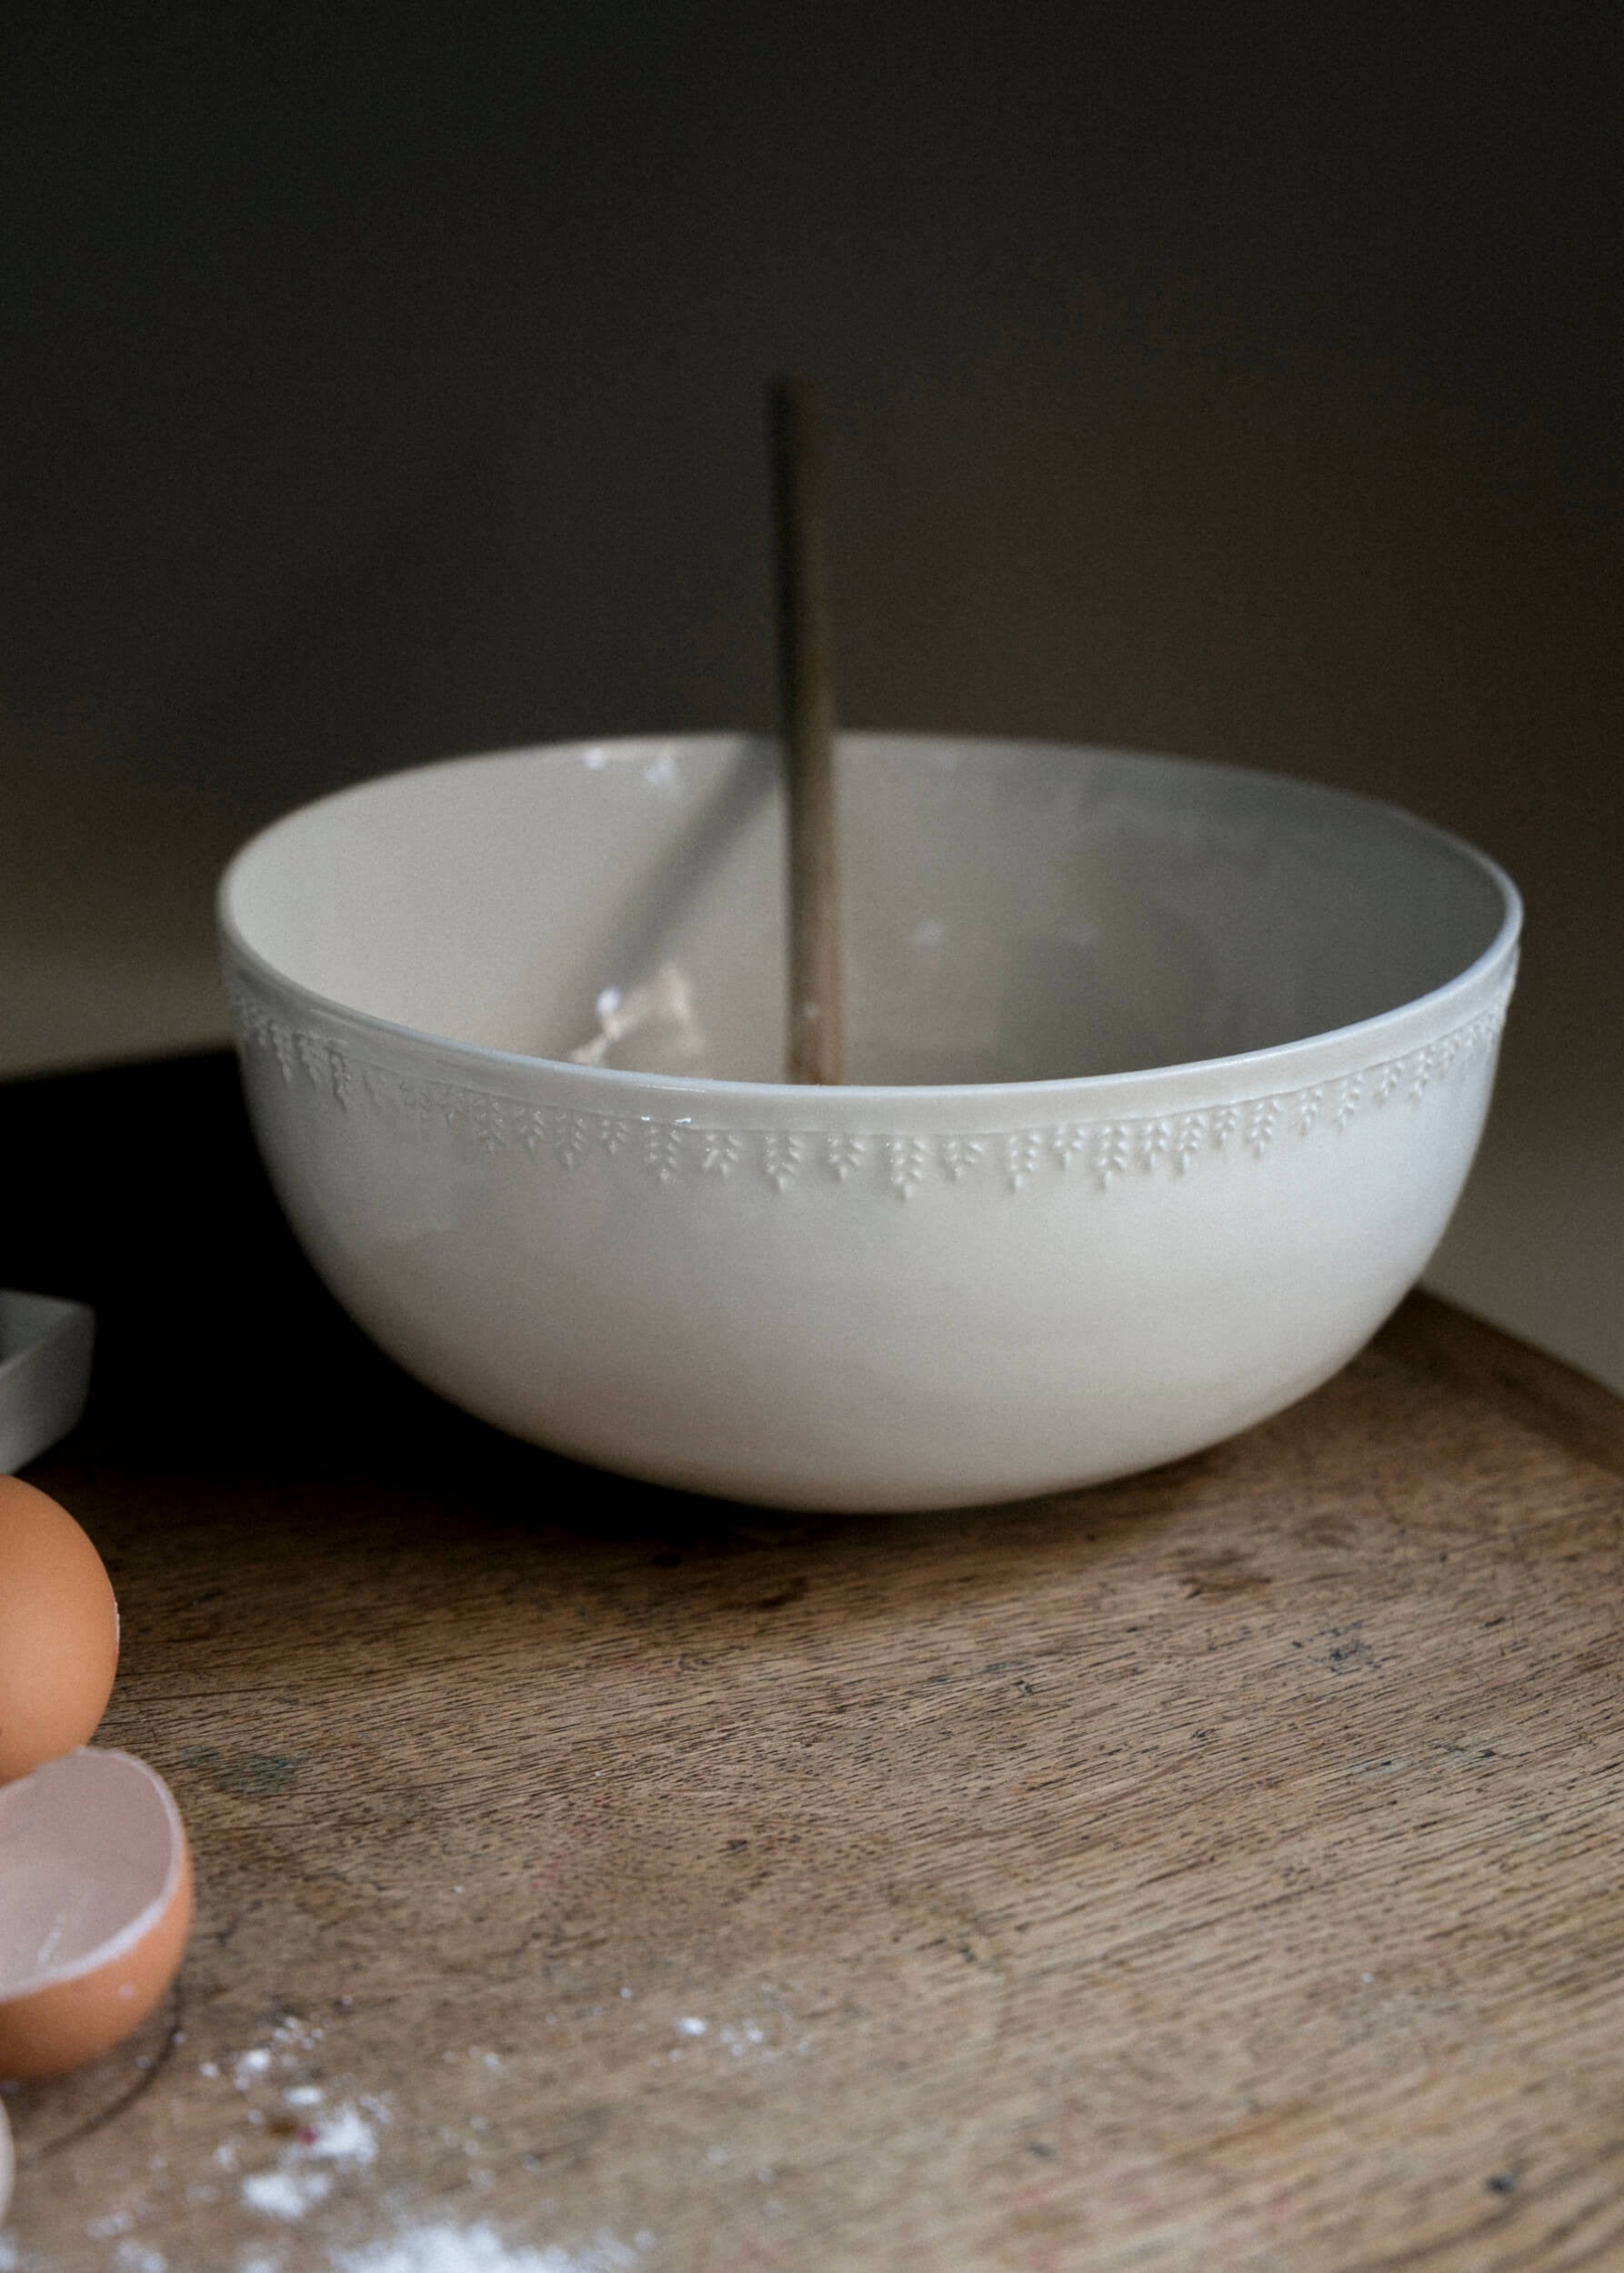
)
(1013, 911)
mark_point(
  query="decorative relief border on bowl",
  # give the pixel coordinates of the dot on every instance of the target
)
(669, 1150)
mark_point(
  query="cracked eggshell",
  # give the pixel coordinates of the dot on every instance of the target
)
(95, 1903)
(59, 1631)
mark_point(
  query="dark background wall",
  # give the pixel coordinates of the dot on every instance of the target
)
(1235, 381)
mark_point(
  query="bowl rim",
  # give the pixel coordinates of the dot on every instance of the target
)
(615, 1081)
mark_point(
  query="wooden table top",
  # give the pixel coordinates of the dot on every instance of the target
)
(1217, 1869)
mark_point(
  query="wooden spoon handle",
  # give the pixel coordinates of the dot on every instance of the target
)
(806, 689)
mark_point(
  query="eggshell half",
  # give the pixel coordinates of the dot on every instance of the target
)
(59, 1631)
(96, 1902)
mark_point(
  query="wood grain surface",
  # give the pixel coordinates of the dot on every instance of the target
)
(1219, 1869)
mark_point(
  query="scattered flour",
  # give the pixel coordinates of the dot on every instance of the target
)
(133, 2256)
(294, 2035)
(481, 2250)
(287, 2193)
(343, 2140)
(345, 2137)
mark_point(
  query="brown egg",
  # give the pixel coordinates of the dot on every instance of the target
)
(59, 1631)
(96, 1902)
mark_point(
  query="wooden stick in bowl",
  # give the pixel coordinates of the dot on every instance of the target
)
(806, 688)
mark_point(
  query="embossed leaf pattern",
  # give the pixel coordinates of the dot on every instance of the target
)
(904, 1162)
(781, 1156)
(1070, 1142)
(959, 1155)
(842, 1154)
(1261, 1119)
(572, 1134)
(720, 1151)
(1020, 1157)
(488, 1123)
(1188, 1137)
(1107, 1154)
(1153, 1143)
(662, 1150)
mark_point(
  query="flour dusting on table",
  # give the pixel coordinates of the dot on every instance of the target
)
(445, 2248)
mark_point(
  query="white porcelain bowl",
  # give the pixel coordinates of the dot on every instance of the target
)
(1165, 1079)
